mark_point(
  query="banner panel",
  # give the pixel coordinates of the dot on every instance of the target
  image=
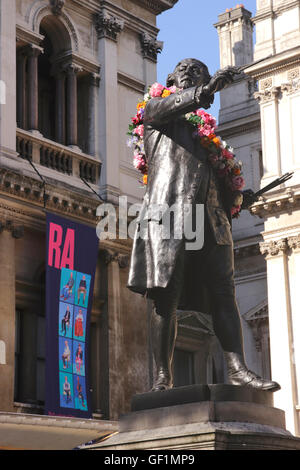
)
(71, 259)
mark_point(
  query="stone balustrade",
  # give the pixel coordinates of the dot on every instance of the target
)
(57, 157)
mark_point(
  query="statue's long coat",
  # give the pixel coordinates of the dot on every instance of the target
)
(178, 173)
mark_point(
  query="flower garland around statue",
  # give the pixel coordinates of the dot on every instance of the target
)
(221, 155)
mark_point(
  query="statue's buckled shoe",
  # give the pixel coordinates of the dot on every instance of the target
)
(239, 374)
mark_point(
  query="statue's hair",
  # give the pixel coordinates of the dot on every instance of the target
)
(170, 78)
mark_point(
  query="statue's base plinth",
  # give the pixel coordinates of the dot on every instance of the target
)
(202, 417)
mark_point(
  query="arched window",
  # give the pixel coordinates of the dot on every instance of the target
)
(52, 87)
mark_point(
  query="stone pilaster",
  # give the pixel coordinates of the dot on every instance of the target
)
(8, 233)
(108, 28)
(281, 328)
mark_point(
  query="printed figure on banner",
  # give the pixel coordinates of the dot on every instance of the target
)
(65, 355)
(79, 323)
(67, 286)
(78, 358)
(79, 393)
(66, 390)
(82, 289)
(65, 322)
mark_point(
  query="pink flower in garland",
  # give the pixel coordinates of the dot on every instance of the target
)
(156, 90)
(139, 130)
(227, 154)
(237, 183)
(205, 130)
(235, 210)
(139, 162)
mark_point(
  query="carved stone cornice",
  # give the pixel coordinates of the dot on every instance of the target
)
(156, 6)
(150, 46)
(57, 6)
(21, 188)
(108, 26)
(286, 200)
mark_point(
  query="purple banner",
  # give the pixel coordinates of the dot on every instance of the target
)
(71, 263)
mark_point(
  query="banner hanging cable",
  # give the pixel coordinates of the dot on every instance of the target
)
(87, 184)
(41, 177)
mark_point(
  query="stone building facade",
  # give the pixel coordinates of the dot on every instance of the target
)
(259, 116)
(71, 73)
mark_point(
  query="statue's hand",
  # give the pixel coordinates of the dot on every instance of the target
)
(221, 79)
(249, 198)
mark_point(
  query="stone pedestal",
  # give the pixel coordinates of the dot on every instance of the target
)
(202, 417)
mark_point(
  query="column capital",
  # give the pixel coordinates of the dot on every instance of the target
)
(267, 94)
(32, 50)
(121, 259)
(17, 231)
(274, 247)
(94, 79)
(71, 68)
(150, 46)
(294, 241)
(108, 26)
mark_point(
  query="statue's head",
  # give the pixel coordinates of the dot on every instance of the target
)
(189, 73)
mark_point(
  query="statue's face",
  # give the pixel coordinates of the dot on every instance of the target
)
(189, 73)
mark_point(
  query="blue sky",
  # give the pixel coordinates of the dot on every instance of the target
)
(187, 31)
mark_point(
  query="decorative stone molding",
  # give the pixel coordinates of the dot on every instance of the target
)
(108, 26)
(293, 74)
(274, 248)
(57, 6)
(150, 46)
(267, 83)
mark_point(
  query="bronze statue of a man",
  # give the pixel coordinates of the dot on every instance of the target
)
(200, 280)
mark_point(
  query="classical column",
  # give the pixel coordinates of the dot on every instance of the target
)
(33, 92)
(7, 317)
(93, 84)
(60, 107)
(280, 327)
(21, 88)
(72, 121)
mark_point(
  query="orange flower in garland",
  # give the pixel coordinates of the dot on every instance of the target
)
(221, 156)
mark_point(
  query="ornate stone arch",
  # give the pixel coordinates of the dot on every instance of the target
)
(62, 24)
